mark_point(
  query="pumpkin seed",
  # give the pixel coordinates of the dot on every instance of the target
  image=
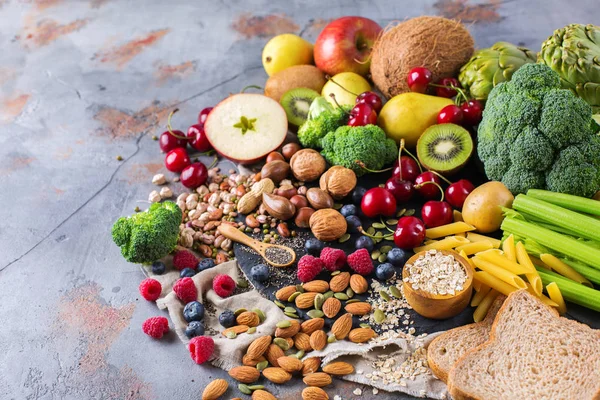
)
(375, 254)
(282, 343)
(378, 225)
(300, 288)
(231, 335)
(344, 238)
(331, 339)
(341, 296)
(299, 354)
(291, 315)
(244, 389)
(378, 237)
(293, 296)
(261, 315)
(371, 230)
(278, 304)
(290, 310)
(315, 314)
(391, 222)
(242, 283)
(384, 295)
(365, 325)
(349, 292)
(350, 301)
(251, 330)
(328, 294)
(239, 311)
(334, 273)
(264, 364)
(379, 316)
(389, 237)
(409, 212)
(256, 387)
(337, 206)
(319, 300)
(385, 249)
(400, 213)
(284, 324)
(395, 292)
(382, 258)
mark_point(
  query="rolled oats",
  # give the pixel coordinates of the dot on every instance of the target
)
(436, 273)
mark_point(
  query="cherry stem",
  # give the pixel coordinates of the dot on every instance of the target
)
(442, 177)
(420, 185)
(214, 162)
(386, 237)
(329, 78)
(251, 87)
(171, 129)
(338, 104)
(384, 224)
(363, 166)
(410, 154)
(460, 92)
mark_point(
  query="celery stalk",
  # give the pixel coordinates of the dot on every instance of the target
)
(575, 203)
(590, 273)
(573, 291)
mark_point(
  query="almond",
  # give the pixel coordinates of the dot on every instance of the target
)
(248, 318)
(290, 364)
(306, 300)
(318, 340)
(359, 284)
(331, 307)
(215, 389)
(311, 325)
(262, 395)
(302, 342)
(290, 341)
(273, 353)
(342, 326)
(244, 374)
(339, 283)
(258, 347)
(361, 335)
(338, 368)
(276, 375)
(290, 331)
(316, 286)
(251, 362)
(318, 379)
(237, 329)
(314, 393)
(358, 308)
(310, 365)
(285, 292)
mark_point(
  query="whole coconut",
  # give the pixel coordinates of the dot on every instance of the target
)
(437, 43)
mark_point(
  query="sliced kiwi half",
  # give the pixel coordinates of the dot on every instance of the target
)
(444, 148)
(296, 103)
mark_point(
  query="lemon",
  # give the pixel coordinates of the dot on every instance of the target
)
(284, 51)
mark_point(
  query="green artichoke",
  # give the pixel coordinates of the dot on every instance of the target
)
(574, 53)
(489, 67)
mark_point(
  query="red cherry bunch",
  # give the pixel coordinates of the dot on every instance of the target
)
(368, 105)
(466, 112)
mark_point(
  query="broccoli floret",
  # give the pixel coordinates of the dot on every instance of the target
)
(536, 77)
(572, 173)
(312, 131)
(565, 118)
(519, 180)
(531, 151)
(147, 236)
(367, 144)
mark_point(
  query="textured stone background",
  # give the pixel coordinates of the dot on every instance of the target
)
(84, 81)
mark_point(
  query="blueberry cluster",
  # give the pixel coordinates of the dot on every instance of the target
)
(193, 313)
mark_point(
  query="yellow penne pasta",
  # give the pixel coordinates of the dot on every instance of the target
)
(547, 301)
(530, 289)
(501, 261)
(536, 282)
(532, 277)
(556, 296)
(464, 255)
(500, 273)
(457, 216)
(475, 247)
(430, 241)
(480, 295)
(508, 246)
(565, 270)
(495, 283)
(476, 237)
(448, 230)
(484, 306)
(445, 244)
(463, 234)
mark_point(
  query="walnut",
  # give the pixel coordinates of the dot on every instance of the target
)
(338, 181)
(327, 224)
(307, 165)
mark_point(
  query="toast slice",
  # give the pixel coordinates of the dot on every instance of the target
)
(446, 349)
(532, 353)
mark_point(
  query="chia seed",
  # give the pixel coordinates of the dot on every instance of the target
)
(277, 255)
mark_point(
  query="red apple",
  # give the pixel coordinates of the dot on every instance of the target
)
(345, 45)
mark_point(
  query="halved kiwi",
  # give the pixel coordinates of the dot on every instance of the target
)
(296, 103)
(444, 148)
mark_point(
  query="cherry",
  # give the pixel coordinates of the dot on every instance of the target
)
(371, 99)
(378, 201)
(198, 138)
(436, 213)
(409, 233)
(168, 141)
(362, 114)
(447, 90)
(203, 115)
(451, 114)
(428, 191)
(457, 192)
(401, 189)
(177, 159)
(472, 112)
(418, 79)
(408, 168)
(194, 175)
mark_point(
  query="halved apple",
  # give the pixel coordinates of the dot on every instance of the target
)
(246, 127)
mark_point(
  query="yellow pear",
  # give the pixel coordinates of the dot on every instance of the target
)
(409, 114)
(345, 86)
(284, 51)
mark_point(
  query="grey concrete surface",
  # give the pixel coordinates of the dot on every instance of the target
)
(84, 81)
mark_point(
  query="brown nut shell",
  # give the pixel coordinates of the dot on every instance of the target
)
(307, 165)
(338, 181)
(299, 201)
(276, 170)
(319, 199)
(274, 155)
(278, 206)
(327, 224)
(290, 149)
(303, 217)
(287, 191)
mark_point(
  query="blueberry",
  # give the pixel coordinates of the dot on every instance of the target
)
(193, 311)
(187, 273)
(397, 257)
(314, 246)
(260, 272)
(194, 328)
(348, 209)
(384, 271)
(227, 319)
(158, 268)
(358, 194)
(353, 223)
(364, 242)
(205, 264)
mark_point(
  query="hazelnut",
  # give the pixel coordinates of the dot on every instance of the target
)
(275, 170)
(303, 217)
(299, 201)
(287, 191)
(278, 206)
(327, 224)
(307, 165)
(290, 149)
(338, 181)
(319, 199)
(274, 156)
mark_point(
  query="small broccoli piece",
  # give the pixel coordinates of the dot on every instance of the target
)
(573, 174)
(565, 118)
(531, 151)
(312, 131)
(147, 236)
(534, 77)
(497, 165)
(367, 144)
(519, 180)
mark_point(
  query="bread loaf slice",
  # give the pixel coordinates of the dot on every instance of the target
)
(446, 349)
(532, 354)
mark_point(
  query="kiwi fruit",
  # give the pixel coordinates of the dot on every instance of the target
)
(296, 103)
(306, 76)
(444, 148)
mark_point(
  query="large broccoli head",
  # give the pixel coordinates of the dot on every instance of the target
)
(535, 135)
(147, 236)
(313, 130)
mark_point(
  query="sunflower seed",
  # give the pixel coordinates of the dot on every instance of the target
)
(264, 364)
(379, 316)
(319, 300)
(279, 304)
(284, 324)
(331, 339)
(375, 254)
(341, 296)
(239, 311)
(349, 292)
(282, 343)
(328, 294)
(395, 292)
(384, 295)
(256, 387)
(231, 335)
(291, 315)
(251, 330)
(261, 315)
(378, 225)
(344, 238)
(293, 296)
(290, 310)
(244, 389)
(391, 222)
(315, 314)
(242, 283)
(334, 273)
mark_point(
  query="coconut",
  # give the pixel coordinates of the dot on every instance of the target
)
(437, 43)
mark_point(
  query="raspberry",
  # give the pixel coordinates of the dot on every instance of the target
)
(201, 348)
(184, 259)
(333, 259)
(223, 285)
(156, 327)
(360, 261)
(186, 290)
(150, 289)
(308, 268)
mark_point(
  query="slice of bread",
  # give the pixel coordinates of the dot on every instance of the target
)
(532, 353)
(446, 349)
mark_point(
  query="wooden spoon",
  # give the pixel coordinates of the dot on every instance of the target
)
(276, 252)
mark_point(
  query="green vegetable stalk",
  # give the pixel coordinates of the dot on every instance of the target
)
(572, 291)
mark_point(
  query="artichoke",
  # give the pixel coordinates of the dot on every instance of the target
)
(574, 53)
(489, 67)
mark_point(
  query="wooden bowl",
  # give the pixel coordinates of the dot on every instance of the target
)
(438, 306)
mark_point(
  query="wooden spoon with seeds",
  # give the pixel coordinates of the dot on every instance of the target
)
(274, 254)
